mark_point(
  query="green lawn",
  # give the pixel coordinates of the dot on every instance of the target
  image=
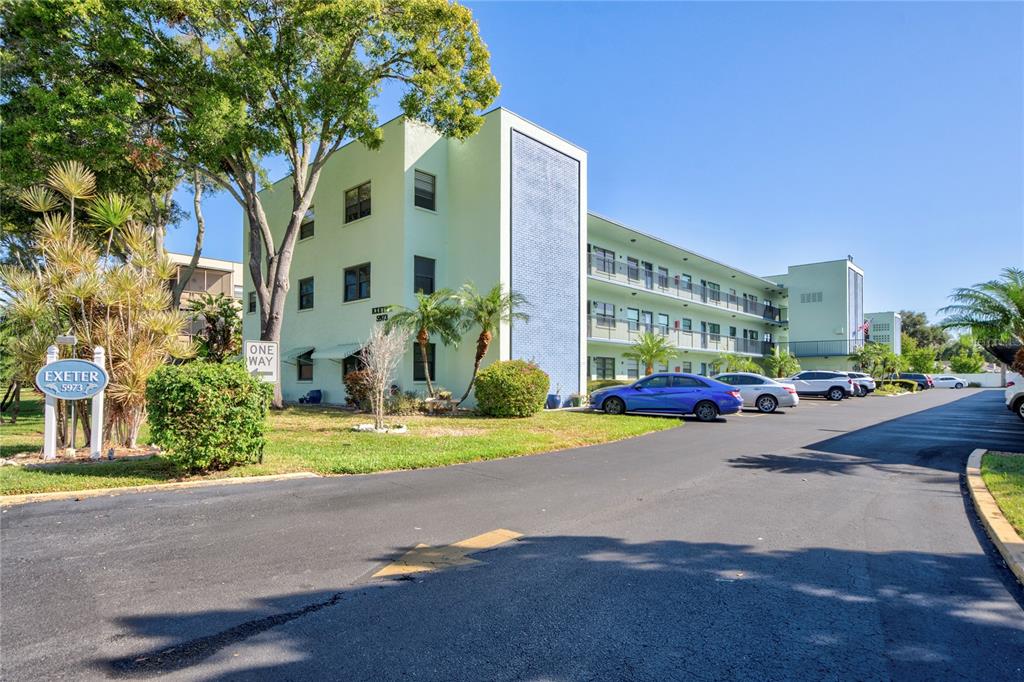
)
(1004, 476)
(318, 440)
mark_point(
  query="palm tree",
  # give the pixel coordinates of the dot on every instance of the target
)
(993, 311)
(869, 357)
(488, 311)
(780, 363)
(435, 314)
(74, 181)
(732, 362)
(650, 348)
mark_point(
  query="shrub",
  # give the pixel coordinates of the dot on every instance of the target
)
(903, 384)
(357, 388)
(889, 389)
(512, 388)
(595, 384)
(406, 403)
(208, 416)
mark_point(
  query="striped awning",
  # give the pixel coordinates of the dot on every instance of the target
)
(339, 352)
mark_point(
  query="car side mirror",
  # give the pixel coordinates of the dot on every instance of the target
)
(637, 387)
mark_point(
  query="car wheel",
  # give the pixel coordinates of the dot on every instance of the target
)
(614, 405)
(835, 393)
(1020, 408)
(705, 411)
(959, 386)
(767, 403)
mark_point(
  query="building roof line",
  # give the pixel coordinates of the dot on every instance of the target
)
(685, 250)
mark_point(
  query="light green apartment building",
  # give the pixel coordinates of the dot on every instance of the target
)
(509, 205)
(885, 328)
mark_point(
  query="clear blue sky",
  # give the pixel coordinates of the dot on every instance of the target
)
(765, 134)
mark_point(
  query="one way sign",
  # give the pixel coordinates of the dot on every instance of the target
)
(262, 359)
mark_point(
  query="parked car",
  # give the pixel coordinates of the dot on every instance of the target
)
(948, 381)
(862, 383)
(923, 380)
(831, 385)
(762, 392)
(670, 393)
(1015, 395)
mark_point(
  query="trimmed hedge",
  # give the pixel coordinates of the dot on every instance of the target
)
(208, 415)
(511, 388)
(905, 384)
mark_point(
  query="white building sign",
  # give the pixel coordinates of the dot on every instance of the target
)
(263, 360)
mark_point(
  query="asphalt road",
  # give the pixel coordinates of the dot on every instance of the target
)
(831, 542)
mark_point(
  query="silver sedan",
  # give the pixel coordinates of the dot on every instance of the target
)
(762, 392)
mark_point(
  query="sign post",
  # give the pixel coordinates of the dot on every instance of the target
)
(71, 379)
(99, 358)
(263, 359)
(50, 414)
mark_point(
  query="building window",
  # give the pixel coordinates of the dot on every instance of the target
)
(663, 323)
(304, 365)
(357, 202)
(306, 293)
(308, 227)
(687, 366)
(604, 368)
(603, 259)
(351, 363)
(357, 282)
(714, 291)
(424, 190)
(686, 324)
(714, 329)
(813, 297)
(633, 319)
(632, 268)
(632, 369)
(604, 314)
(663, 277)
(236, 291)
(418, 371)
(732, 332)
(252, 301)
(423, 274)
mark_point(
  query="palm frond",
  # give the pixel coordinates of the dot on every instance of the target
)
(72, 179)
(38, 199)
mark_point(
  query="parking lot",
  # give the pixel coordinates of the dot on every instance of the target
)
(832, 541)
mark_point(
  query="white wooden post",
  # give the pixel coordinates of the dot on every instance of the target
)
(50, 415)
(99, 356)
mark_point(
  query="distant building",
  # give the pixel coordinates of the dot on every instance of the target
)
(211, 276)
(885, 328)
(826, 312)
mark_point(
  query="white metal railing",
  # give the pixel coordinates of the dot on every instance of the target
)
(608, 328)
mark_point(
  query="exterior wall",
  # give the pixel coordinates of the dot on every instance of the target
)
(824, 301)
(468, 235)
(885, 328)
(687, 315)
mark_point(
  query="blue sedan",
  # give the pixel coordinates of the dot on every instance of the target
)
(670, 393)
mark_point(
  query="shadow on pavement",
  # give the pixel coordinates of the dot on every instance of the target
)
(592, 607)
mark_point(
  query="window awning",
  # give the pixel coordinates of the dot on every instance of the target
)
(290, 355)
(339, 352)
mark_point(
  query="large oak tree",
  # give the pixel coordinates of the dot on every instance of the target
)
(233, 83)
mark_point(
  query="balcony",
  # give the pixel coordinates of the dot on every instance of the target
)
(677, 286)
(813, 349)
(605, 328)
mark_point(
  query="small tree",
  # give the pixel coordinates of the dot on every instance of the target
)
(380, 355)
(435, 314)
(869, 357)
(488, 311)
(221, 336)
(921, 359)
(730, 362)
(970, 362)
(780, 363)
(651, 348)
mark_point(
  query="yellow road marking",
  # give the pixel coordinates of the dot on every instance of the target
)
(424, 558)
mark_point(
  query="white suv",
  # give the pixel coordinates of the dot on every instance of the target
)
(1015, 395)
(831, 385)
(862, 383)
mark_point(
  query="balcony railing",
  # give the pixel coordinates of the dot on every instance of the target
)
(678, 286)
(606, 328)
(831, 347)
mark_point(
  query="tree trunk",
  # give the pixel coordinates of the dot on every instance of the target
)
(423, 339)
(649, 368)
(184, 274)
(483, 342)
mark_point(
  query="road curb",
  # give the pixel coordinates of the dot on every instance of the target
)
(14, 500)
(1005, 538)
